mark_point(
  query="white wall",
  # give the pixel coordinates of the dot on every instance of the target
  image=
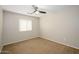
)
(1, 19)
(11, 32)
(62, 26)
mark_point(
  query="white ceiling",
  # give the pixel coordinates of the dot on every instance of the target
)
(27, 9)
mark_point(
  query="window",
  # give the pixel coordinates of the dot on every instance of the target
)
(25, 25)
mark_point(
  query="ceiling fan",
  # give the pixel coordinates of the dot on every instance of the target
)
(36, 11)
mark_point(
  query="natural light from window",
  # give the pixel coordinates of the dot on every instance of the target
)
(25, 25)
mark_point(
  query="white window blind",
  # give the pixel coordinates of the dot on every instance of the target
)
(25, 25)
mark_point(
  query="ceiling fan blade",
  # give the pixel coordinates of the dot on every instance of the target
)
(35, 7)
(33, 11)
(42, 12)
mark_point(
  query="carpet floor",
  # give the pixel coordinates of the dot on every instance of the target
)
(38, 46)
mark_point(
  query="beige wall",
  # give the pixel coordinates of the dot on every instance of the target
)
(1, 13)
(62, 26)
(11, 32)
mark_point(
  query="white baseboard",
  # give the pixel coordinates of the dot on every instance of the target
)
(7, 43)
(60, 42)
(44, 38)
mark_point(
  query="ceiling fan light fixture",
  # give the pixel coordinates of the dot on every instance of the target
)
(36, 12)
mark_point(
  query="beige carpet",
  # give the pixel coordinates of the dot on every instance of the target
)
(38, 45)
